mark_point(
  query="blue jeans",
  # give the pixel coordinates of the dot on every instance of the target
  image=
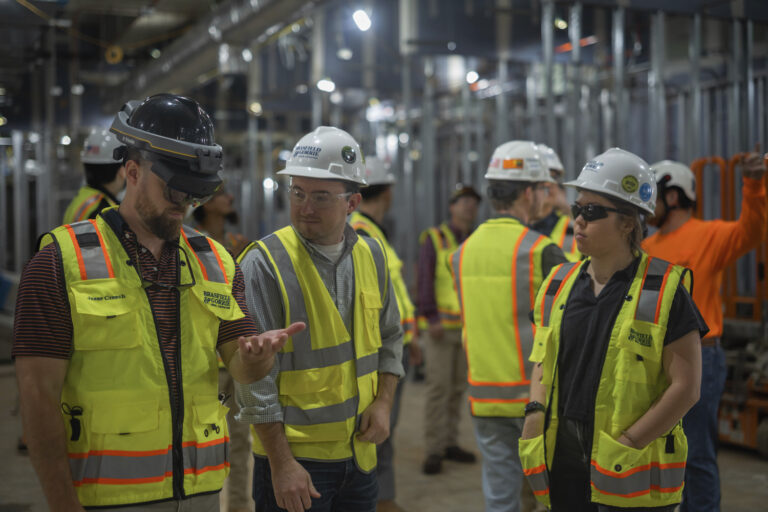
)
(702, 479)
(343, 487)
(502, 473)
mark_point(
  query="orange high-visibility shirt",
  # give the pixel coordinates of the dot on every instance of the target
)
(709, 247)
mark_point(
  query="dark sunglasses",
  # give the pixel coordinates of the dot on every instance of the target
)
(592, 212)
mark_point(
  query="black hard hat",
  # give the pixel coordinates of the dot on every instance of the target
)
(177, 134)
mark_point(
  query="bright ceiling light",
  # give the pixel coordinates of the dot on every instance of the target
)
(336, 97)
(247, 55)
(362, 20)
(3, 121)
(155, 53)
(65, 140)
(561, 23)
(344, 54)
(472, 77)
(326, 85)
(255, 108)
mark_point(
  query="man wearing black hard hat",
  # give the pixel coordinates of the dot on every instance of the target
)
(439, 318)
(118, 323)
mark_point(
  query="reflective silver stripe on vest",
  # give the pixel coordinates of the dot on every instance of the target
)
(367, 364)
(554, 285)
(318, 358)
(202, 247)
(121, 467)
(498, 392)
(94, 255)
(89, 201)
(301, 358)
(666, 480)
(456, 264)
(522, 292)
(198, 458)
(327, 414)
(649, 298)
(538, 478)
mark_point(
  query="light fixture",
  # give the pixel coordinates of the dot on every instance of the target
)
(295, 28)
(77, 89)
(403, 138)
(2, 91)
(451, 46)
(344, 53)
(65, 140)
(255, 108)
(247, 55)
(155, 53)
(284, 155)
(269, 184)
(302, 89)
(373, 101)
(362, 20)
(326, 85)
(3, 121)
(34, 137)
(472, 77)
(336, 97)
(561, 23)
(482, 84)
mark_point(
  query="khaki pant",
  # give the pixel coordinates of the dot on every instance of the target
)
(204, 503)
(446, 376)
(237, 486)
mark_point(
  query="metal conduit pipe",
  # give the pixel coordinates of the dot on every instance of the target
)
(196, 52)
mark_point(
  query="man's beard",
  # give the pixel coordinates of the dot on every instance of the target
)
(162, 227)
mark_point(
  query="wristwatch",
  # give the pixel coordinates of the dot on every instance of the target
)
(534, 406)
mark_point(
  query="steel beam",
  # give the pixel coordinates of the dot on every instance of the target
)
(618, 77)
(694, 55)
(548, 46)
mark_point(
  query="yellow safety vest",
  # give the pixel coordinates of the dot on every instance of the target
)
(445, 293)
(632, 379)
(566, 241)
(124, 443)
(327, 376)
(497, 272)
(404, 304)
(245, 250)
(85, 204)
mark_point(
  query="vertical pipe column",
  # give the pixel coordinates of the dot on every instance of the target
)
(503, 40)
(49, 136)
(656, 93)
(408, 23)
(751, 99)
(253, 187)
(573, 147)
(533, 104)
(466, 133)
(428, 178)
(4, 232)
(694, 55)
(734, 109)
(548, 44)
(317, 68)
(618, 77)
(20, 205)
(269, 192)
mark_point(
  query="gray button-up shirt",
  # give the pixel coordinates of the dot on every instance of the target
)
(258, 401)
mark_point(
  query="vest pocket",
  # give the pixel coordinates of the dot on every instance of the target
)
(125, 418)
(210, 419)
(532, 459)
(105, 315)
(620, 471)
(371, 302)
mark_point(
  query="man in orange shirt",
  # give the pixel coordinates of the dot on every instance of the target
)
(707, 248)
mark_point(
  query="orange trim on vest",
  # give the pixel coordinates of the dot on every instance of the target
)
(84, 208)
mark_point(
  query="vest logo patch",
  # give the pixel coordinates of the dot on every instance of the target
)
(107, 297)
(218, 300)
(640, 338)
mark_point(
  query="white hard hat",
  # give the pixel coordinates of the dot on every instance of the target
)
(327, 153)
(99, 147)
(675, 174)
(377, 172)
(551, 159)
(622, 175)
(517, 160)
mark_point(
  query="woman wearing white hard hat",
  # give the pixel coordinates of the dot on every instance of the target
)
(618, 357)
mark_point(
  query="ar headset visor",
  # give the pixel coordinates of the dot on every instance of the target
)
(192, 172)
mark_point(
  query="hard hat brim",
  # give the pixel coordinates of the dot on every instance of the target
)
(320, 174)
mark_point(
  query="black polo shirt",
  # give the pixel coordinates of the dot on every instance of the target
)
(586, 330)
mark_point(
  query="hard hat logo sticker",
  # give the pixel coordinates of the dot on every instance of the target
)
(348, 154)
(629, 183)
(646, 191)
(593, 165)
(307, 152)
(513, 163)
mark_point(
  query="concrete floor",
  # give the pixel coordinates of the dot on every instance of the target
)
(744, 474)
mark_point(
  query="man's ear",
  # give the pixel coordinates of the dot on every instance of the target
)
(354, 202)
(672, 196)
(132, 172)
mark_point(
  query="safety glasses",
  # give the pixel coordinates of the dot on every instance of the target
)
(319, 200)
(592, 212)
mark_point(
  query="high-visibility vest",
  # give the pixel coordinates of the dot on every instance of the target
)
(405, 306)
(125, 444)
(498, 272)
(245, 250)
(85, 205)
(328, 376)
(565, 240)
(445, 293)
(631, 380)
